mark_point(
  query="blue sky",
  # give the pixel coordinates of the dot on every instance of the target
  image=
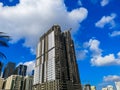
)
(95, 29)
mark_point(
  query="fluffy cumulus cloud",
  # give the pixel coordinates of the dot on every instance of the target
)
(115, 33)
(30, 66)
(104, 60)
(93, 45)
(106, 20)
(104, 2)
(97, 57)
(81, 54)
(111, 78)
(31, 18)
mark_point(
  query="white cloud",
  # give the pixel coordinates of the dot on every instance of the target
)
(104, 2)
(115, 33)
(97, 58)
(31, 18)
(108, 81)
(81, 54)
(104, 60)
(106, 20)
(30, 66)
(112, 78)
(118, 54)
(94, 47)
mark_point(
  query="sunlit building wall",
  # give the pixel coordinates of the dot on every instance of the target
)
(14, 82)
(28, 82)
(93, 88)
(117, 84)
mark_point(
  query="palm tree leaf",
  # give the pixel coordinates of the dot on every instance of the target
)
(2, 55)
(2, 33)
(3, 43)
(6, 38)
(3, 36)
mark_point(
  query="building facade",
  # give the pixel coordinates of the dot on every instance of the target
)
(56, 67)
(1, 83)
(117, 84)
(93, 88)
(109, 87)
(21, 70)
(28, 82)
(104, 89)
(14, 82)
(9, 70)
(87, 87)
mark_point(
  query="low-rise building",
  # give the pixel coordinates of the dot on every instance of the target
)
(1, 83)
(14, 82)
(28, 82)
(93, 88)
(87, 87)
(104, 88)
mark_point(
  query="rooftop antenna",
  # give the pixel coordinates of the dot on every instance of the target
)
(70, 29)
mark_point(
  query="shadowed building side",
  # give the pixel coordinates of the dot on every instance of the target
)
(1, 65)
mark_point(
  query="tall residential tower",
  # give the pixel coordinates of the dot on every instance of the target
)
(21, 70)
(56, 67)
(9, 70)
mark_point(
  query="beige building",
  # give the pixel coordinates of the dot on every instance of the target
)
(104, 89)
(117, 84)
(28, 82)
(93, 88)
(1, 82)
(14, 82)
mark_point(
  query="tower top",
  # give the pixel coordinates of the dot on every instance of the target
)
(55, 25)
(68, 30)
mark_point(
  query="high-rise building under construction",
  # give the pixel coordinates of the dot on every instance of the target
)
(56, 66)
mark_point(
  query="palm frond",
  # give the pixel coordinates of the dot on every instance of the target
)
(4, 36)
(2, 55)
(3, 43)
(2, 33)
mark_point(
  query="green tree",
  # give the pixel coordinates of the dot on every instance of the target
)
(3, 42)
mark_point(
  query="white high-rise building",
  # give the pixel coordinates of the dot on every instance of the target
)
(117, 84)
